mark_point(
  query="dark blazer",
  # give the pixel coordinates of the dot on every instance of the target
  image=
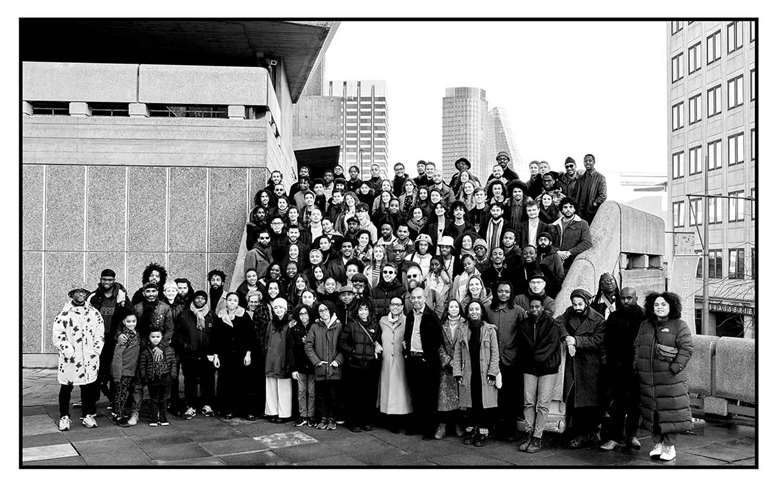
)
(430, 335)
(522, 240)
(592, 193)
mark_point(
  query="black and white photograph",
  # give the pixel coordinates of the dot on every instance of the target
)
(343, 243)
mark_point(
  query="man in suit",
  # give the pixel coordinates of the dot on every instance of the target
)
(422, 338)
(531, 226)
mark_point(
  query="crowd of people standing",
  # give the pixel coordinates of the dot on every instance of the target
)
(416, 303)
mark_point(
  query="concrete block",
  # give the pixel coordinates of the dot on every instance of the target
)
(735, 366)
(65, 208)
(32, 207)
(48, 361)
(136, 262)
(641, 232)
(98, 261)
(79, 109)
(187, 230)
(79, 82)
(63, 271)
(105, 208)
(137, 110)
(227, 208)
(32, 289)
(236, 111)
(716, 405)
(188, 265)
(222, 85)
(146, 203)
(27, 109)
(224, 261)
(700, 365)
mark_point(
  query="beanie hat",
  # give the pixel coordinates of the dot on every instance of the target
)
(108, 273)
(480, 242)
(537, 275)
(544, 234)
(583, 294)
(202, 293)
(569, 160)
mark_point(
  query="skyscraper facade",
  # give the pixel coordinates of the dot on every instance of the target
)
(499, 137)
(464, 126)
(364, 122)
(711, 106)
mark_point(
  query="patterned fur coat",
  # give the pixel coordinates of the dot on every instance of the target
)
(78, 336)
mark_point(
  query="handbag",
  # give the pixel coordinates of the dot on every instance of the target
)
(665, 352)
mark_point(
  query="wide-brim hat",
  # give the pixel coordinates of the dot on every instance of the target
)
(446, 241)
(77, 289)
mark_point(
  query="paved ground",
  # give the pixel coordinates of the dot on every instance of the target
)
(216, 442)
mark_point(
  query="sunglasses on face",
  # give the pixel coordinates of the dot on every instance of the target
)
(388, 272)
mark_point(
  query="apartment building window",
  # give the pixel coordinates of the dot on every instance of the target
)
(734, 36)
(677, 116)
(695, 213)
(678, 214)
(694, 109)
(714, 101)
(736, 147)
(715, 210)
(736, 206)
(752, 84)
(752, 25)
(737, 264)
(714, 155)
(694, 160)
(677, 165)
(713, 47)
(677, 26)
(694, 58)
(735, 88)
(109, 109)
(753, 144)
(716, 263)
(50, 108)
(677, 69)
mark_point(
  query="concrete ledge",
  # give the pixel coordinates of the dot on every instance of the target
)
(734, 369)
(39, 361)
(204, 85)
(79, 82)
(700, 365)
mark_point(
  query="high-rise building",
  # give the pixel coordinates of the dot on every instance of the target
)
(364, 124)
(711, 105)
(463, 133)
(499, 137)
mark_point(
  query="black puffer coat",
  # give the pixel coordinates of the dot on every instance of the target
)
(663, 383)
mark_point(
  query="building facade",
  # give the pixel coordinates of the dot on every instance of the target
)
(711, 106)
(364, 124)
(500, 138)
(129, 157)
(464, 130)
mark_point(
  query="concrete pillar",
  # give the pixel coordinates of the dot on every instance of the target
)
(747, 326)
(27, 109)
(638, 261)
(713, 324)
(79, 109)
(236, 112)
(137, 110)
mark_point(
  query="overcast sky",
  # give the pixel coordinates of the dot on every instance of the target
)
(569, 88)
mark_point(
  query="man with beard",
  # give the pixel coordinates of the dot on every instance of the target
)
(536, 289)
(337, 265)
(593, 189)
(582, 330)
(109, 297)
(153, 315)
(217, 293)
(573, 233)
(186, 292)
(399, 179)
(303, 172)
(605, 301)
(447, 197)
(530, 265)
(550, 262)
(422, 339)
(153, 273)
(550, 185)
(413, 279)
(193, 341)
(260, 257)
(569, 181)
(421, 179)
(493, 229)
(622, 386)
(503, 160)
(389, 287)
(512, 251)
(515, 211)
(499, 270)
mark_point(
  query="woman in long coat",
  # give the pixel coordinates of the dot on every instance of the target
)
(663, 347)
(394, 396)
(453, 327)
(478, 393)
(77, 335)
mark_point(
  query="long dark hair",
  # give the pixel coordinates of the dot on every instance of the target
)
(445, 315)
(675, 306)
(510, 303)
(156, 267)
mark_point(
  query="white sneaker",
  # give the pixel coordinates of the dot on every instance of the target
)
(657, 450)
(609, 445)
(89, 421)
(668, 453)
(64, 423)
(133, 419)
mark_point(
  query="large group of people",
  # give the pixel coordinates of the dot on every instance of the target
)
(409, 302)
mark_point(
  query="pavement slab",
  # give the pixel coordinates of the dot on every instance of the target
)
(44, 439)
(233, 446)
(38, 424)
(176, 452)
(286, 439)
(337, 460)
(167, 440)
(257, 459)
(60, 461)
(30, 454)
(199, 461)
(728, 451)
(304, 453)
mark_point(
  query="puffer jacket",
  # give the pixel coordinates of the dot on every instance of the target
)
(146, 365)
(383, 293)
(663, 382)
(539, 344)
(357, 343)
(322, 345)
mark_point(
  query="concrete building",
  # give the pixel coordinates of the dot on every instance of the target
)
(464, 130)
(145, 140)
(711, 96)
(500, 137)
(364, 134)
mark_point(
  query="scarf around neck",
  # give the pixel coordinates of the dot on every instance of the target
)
(227, 316)
(200, 314)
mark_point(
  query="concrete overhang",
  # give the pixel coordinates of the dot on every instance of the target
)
(318, 159)
(228, 42)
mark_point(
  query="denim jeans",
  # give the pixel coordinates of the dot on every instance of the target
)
(306, 395)
(537, 397)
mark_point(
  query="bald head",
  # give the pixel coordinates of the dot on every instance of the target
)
(628, 296)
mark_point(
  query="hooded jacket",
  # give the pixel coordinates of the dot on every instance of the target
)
(322, 345)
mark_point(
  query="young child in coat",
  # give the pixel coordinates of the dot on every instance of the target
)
(124, 366)
(156, 371)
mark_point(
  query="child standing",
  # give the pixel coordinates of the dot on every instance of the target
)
(124, 366)
(156, 368)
